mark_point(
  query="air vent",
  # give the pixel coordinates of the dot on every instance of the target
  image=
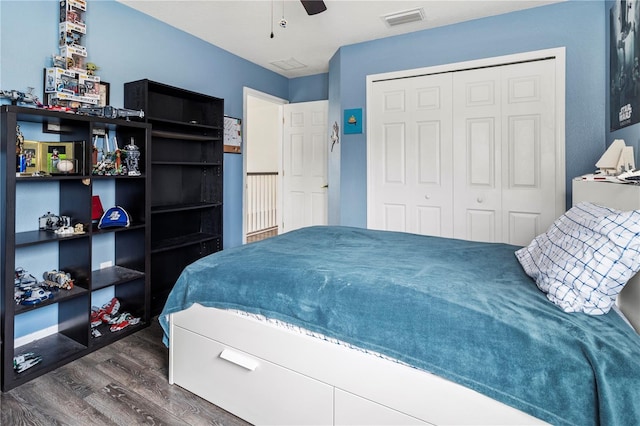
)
(288, 64)
(405, 17)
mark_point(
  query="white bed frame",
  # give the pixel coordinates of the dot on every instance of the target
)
(270, 375)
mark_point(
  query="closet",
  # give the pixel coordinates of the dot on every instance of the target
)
(469, 153)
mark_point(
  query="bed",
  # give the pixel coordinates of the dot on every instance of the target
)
(341, 325)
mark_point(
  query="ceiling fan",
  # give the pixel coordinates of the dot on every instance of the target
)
(313, 7)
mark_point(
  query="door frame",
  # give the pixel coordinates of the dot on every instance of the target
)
(279, 103)
(559, 54)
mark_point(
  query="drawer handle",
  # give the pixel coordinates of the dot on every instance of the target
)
(239, 359)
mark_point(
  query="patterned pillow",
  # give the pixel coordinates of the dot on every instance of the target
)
(585, 258)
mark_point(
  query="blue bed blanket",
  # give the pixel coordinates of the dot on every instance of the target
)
(462, 310)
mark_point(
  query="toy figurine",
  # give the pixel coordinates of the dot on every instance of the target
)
(91, 68)
(132, 156)
(21, 159)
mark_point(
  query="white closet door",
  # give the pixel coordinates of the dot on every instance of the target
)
(504, 152)
(409, 156)
(529, 175)
(467, 154)
(477, 158)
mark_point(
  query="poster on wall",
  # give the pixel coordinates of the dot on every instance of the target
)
(624, 66)
(232, 135)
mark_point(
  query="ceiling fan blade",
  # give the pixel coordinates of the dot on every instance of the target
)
(313, 7)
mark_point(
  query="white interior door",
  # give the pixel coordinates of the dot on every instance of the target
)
(304, 160)
(410, 140)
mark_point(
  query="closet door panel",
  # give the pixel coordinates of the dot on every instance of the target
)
(528, 168)
(409, 153)
(477, 146)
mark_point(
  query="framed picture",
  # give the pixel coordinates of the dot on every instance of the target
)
(232, 135)
(57, 158)
(624, 102)
(103, 91)
(352, 121)
(32, 154)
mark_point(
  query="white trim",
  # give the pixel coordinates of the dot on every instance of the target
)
(558, 53)
(246, 93)
(476, 63)
(36, 335)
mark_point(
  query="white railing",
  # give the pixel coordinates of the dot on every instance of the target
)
(262, 199)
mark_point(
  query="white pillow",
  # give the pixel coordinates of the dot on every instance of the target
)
(585, 258)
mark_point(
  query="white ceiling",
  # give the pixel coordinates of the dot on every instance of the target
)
(243, 27)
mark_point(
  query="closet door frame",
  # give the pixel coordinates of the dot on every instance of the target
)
(559, 56)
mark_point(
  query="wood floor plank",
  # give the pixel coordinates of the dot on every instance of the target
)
(19, 412)
(156, 388)
(124, 383)
(50, 398)
(124, 406)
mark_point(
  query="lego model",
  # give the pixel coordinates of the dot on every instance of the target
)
(35, 296)
(25, 361)
(108, 314)
(51, 222)
(131, 159)
(58, 279)
(18, 97)
(110, 112)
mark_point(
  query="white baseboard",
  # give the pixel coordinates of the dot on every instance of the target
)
(21, 341)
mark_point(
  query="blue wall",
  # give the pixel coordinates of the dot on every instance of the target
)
(580, 26)
(124, 52)
(310, 88)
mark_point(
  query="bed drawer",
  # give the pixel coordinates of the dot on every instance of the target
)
(254, 389)
(352, 410)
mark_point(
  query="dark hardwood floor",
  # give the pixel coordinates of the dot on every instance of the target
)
(124, 383)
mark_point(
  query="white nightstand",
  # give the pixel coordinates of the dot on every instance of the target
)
(615, 195)
(621, 197)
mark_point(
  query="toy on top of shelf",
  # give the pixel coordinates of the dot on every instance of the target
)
(91, 68)
(18, 97)
(110, 112)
